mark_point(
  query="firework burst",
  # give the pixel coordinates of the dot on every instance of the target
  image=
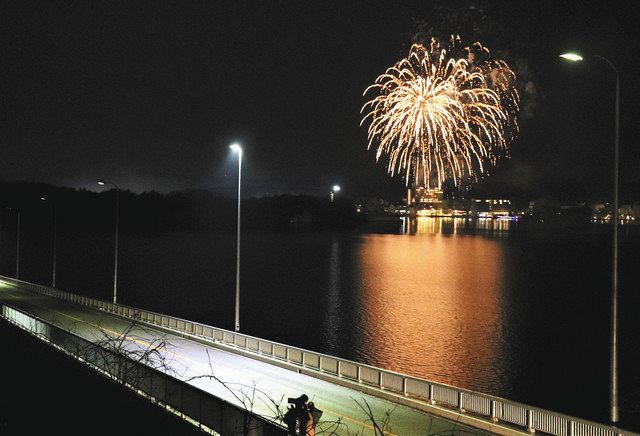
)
(443, 113)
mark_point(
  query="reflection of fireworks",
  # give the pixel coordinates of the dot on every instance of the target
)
(443, 113)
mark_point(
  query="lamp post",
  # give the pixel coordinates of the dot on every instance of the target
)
(55, 236)
(574, 57)
(103, 182)
(334, 190)
(236, 148)
(17, 243)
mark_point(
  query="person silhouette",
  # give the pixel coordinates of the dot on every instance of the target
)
(314, 417)
(297, 416)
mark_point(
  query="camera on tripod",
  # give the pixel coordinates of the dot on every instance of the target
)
(299, 402)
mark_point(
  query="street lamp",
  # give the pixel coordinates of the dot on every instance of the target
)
(55, 228)
(236, 148)
(574, 57)
(17, 243)
(334, 190)
(103, 182)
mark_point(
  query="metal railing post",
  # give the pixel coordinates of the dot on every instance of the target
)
(530, 428)
(571, 428)
(494, 410)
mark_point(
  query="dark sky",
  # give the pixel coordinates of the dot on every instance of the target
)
(150, 94)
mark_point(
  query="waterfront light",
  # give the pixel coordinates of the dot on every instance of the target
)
(103, 182)
(236, 148)
(334, 190)
(54, 242)
(19, 222)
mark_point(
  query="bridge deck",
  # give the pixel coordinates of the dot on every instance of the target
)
(235, 378)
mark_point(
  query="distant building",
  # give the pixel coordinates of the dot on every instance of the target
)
(424, 198)
(626, 212)
(491, 207)
(629, 212)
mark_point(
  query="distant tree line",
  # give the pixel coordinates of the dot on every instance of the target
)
(152, 212)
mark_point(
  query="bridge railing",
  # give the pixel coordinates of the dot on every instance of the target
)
(198, 406)
(491, 408)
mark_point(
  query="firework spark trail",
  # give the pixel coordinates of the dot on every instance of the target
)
(443, 114)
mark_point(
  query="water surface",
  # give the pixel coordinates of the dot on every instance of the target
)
(517, 311)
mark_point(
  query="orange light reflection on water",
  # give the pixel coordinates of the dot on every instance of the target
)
(432, 312)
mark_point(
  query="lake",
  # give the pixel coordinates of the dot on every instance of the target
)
(519, 311)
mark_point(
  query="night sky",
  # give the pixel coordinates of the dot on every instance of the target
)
(150, 94)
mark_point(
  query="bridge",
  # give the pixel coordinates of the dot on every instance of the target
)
(229, 383)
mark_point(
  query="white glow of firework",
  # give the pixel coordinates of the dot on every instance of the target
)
(440, 116)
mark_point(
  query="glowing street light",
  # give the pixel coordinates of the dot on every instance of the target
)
(236, 148)
(55, 228)
(574, 57)
(103, 182)
(334, 190)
